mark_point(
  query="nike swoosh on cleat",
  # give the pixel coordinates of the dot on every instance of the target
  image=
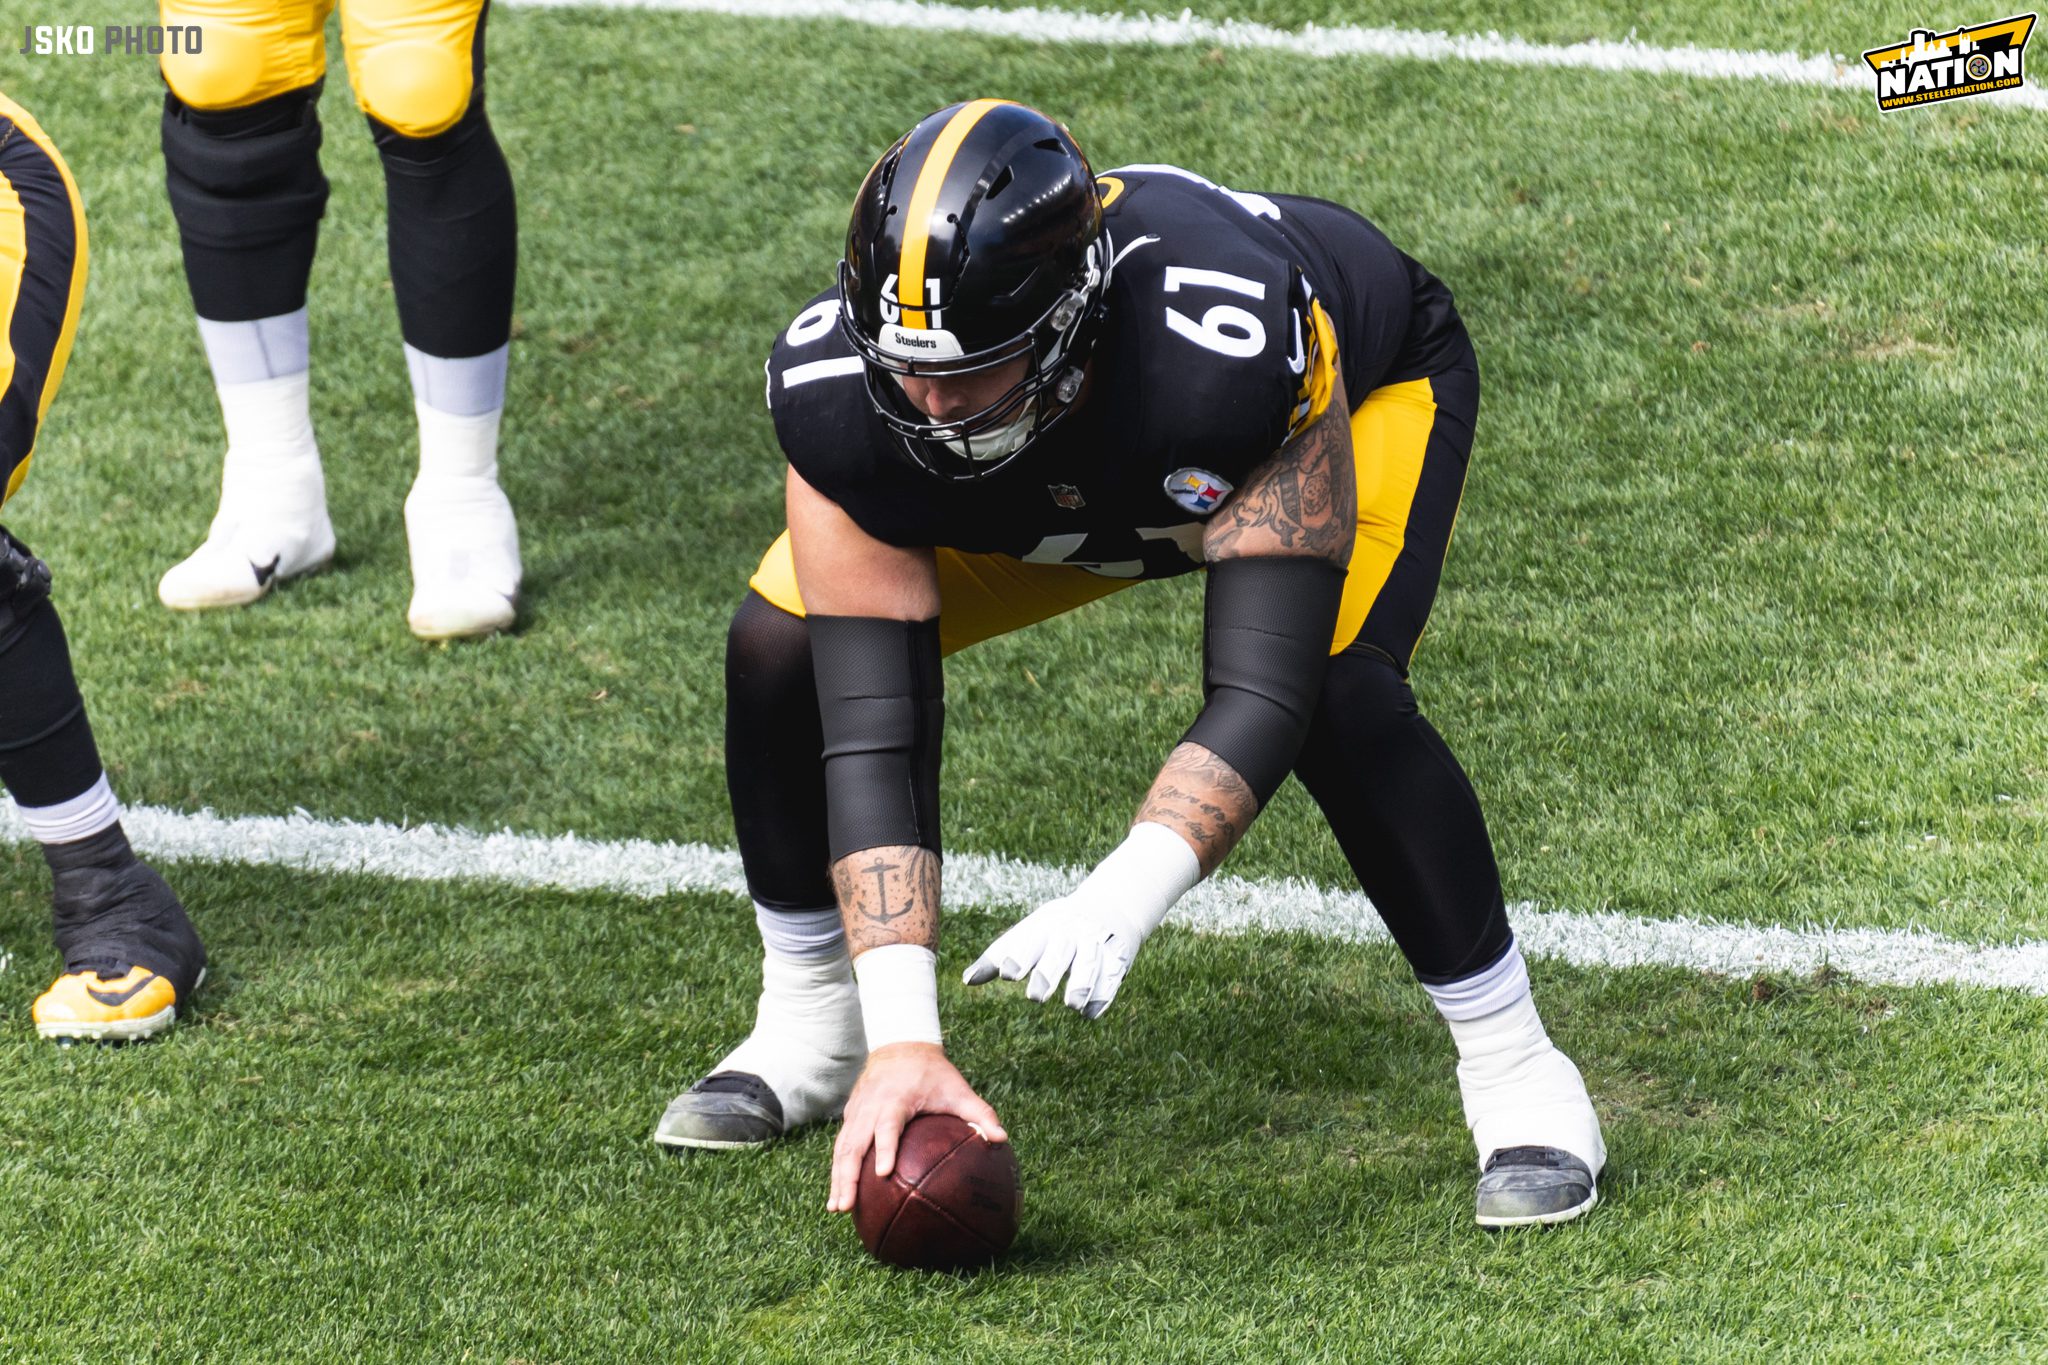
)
(113, 998)
(265, 571)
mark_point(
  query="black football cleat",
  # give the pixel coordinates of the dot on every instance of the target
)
(131, 957)
(726, 1109)
(1526, 1185)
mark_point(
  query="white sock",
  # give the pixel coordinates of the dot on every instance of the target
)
(808, 1042)
(459, 524)
(266, 348)
(801, 935)
(1518, 1089)
(67, 822)
(466, 386)
(460, 403)
(261, 370)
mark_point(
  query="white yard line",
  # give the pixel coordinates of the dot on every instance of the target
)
(1228, 905)
(1187, 30)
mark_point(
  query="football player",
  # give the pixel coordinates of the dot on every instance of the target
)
(1031, 387)
(241, 140)
(131, 957)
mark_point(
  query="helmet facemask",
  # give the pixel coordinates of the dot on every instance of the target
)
(974, 446)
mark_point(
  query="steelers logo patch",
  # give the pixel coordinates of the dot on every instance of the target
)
(1198, 490)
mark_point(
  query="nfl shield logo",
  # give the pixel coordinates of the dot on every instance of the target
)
(1067, 496)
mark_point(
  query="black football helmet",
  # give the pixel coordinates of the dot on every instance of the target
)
(976, 239)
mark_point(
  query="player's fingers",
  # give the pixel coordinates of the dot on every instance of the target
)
(1114, 968)
(1016, 950)
(847, 1152)
(1081, 980)
(982, 1118)
(984, 969)
(1052, 965)
(887, 1133)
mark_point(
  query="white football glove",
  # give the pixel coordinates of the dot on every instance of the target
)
(1092, 934)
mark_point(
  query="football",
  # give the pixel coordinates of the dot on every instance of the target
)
(952, 1202)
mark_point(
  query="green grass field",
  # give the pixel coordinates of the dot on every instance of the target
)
(1744, 621)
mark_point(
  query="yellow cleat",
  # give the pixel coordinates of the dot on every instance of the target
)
(119, 1009)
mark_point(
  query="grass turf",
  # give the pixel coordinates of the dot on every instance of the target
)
(1728, 629)
(1804, 27)
(1738, 623)
(411, 1123)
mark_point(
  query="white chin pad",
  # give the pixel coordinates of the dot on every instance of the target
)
(998, 444)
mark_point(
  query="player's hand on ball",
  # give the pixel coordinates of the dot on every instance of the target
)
(901, 1081)
(1075, 936)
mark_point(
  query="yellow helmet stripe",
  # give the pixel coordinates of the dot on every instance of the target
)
(924, 197)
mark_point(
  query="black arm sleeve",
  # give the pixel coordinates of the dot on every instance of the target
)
(1266, 645)
(881, 701)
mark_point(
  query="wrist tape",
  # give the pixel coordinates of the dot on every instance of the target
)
(899, 994)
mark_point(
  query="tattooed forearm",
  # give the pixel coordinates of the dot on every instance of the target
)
(1203, 799)
(1303, 501)
(888, 895)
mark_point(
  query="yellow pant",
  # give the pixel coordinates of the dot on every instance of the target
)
(42, 283)
(983, 596)
(410, 61)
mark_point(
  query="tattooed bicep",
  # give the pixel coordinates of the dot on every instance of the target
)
(1302, 501)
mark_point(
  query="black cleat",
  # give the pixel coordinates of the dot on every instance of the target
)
(131, 957)
(1524, 1185)
(726, 1109)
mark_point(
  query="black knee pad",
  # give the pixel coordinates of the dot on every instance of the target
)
(246, 188)
(453, 225)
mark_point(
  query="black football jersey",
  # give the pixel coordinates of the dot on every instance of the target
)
(1210, 356)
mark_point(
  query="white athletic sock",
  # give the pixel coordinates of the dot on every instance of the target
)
(801, 935)
(261, 371)
(1519, 1090)
(808, 1042)
(67, 822)
(460, 403)
(266, 348)
(467, 386)
(459, 525)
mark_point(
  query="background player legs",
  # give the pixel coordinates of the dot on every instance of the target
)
(247, 192)
(131, 956)
(453, 235)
